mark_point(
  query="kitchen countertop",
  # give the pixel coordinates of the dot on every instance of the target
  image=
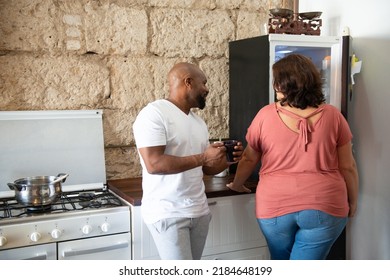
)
(130, 189)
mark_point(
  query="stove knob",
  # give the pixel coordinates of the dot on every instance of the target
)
(105, 227)
(3, 241)
(35, 236)
(56, 233)
(87, 229)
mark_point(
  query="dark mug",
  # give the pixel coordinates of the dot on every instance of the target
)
(229, 144)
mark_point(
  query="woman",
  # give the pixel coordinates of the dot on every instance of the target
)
(308, 182)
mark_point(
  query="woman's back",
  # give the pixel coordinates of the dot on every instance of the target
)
(299, 169)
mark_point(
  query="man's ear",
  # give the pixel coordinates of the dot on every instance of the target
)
(188, 81)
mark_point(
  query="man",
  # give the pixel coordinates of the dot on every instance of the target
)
(173, 144)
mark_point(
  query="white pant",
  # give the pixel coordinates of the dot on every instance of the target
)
(180, 238)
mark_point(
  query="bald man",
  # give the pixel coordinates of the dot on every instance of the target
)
(175, 153)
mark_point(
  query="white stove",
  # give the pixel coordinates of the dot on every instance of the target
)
(88, 221)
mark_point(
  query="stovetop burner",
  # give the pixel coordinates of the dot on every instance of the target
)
(38, 209)
(89, 199)
(69, 201)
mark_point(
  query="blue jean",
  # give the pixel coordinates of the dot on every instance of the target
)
(303, 235)
(180, 238)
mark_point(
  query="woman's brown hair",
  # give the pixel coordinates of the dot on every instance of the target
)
(298, 79)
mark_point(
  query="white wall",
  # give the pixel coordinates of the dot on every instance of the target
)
(368, 235)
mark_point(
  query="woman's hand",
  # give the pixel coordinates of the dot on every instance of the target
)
(241, 188)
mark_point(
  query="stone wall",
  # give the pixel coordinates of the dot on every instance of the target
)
(114, 55)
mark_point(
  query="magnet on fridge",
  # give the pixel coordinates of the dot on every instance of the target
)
(356, 66)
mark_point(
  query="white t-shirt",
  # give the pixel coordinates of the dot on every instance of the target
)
(161, 123)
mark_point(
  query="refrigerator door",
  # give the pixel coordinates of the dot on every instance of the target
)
(248, 85)
(325, 52)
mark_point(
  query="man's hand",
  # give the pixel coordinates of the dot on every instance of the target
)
(214, 155)
(238, 150)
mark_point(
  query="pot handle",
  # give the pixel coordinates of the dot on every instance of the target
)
(12, 186)
(16, 187)
(61, 177)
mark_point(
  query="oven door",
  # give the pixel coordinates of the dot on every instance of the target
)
(110, 247)
(37, 252)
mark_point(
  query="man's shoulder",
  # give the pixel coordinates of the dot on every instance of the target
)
(156, 105)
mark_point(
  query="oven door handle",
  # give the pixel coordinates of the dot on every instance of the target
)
(38, 257)
(73, 253)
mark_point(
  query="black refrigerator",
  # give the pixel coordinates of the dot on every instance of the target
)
(250, 82)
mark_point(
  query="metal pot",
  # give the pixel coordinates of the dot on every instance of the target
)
(38, 190)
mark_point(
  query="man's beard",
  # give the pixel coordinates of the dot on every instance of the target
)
(201, 102)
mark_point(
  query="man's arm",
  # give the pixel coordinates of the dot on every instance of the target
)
(157, 162)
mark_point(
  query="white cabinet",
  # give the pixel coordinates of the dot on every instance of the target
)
(233, 234)
(143, 247)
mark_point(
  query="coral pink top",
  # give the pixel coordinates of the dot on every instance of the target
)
(299, 171)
